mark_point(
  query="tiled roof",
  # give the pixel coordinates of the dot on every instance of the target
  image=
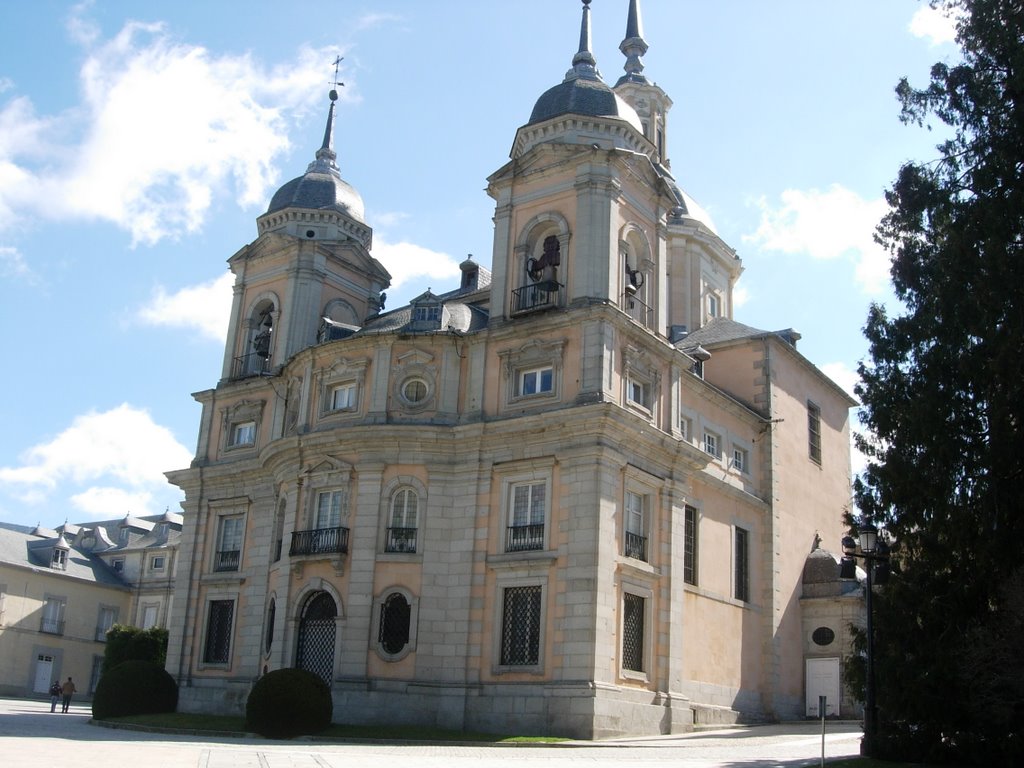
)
(18, 545)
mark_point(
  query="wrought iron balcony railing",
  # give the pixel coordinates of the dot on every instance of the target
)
(319, 541)
(636, 546)
(639, 310)
(51, 626)
(536, 296)
(400, 540)
(252, 364)
(227, 560)
(522, 538)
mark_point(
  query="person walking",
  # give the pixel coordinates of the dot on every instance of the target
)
(55, 692)
(68, 690)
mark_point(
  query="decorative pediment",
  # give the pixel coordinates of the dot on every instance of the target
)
(329, 465)
(245, 409)
(414, 357)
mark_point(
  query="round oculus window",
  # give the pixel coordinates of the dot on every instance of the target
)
(414, 390)
(823, 636)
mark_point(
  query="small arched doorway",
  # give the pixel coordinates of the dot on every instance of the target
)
(315, 651)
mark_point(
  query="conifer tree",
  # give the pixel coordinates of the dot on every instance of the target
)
(943, 404)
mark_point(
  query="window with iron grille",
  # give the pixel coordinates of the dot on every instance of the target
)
(218, 632)
(690, 545)
(633, 632)
(395, 615)
(520, 626)
(741, 564)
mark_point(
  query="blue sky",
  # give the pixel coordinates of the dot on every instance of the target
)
(140, 141)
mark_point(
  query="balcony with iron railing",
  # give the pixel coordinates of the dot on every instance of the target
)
(636, 546)
(319, 541)
(639, 310)
(536, 296)
(227, 560)
(524, 538)
(51, 626)
(400, 540)
(252, 364)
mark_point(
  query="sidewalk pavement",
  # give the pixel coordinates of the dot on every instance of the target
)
(30, 735)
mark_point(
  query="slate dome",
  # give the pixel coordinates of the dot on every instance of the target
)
(319, 189)
(321, 186)
(583, 96)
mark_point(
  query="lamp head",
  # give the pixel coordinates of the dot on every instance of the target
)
(868, 535)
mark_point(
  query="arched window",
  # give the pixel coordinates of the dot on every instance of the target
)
(637, 294)
(540, 264)
(402, 525)
(258, 342)
(393, 630)
(271, 616)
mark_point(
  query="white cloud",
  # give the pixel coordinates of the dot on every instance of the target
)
(831, 224)
(122, 448)
(740, 295)
(933, 24)
(12, 264)
(113, 502)
(408, 263)
(204, 307)
(842, 375)
(82, 29)
(165, 124)
(370, 20)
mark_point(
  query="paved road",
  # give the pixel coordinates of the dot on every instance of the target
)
(30, 737)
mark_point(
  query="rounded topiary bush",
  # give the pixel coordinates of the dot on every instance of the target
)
(288, 702)
(134, 688)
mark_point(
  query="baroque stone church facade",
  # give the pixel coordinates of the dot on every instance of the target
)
(571, 496)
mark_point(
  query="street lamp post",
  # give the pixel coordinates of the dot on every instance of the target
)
(868, 541)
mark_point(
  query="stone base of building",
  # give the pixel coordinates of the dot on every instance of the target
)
(571, 710)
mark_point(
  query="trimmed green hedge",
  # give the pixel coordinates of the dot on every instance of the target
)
(134, 688)
(288, 702)
(134, 644)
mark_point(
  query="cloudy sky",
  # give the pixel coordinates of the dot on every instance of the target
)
(140, 141)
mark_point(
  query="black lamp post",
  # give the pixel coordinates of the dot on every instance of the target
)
(868, 540)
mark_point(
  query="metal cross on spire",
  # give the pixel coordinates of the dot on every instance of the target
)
(336, 82)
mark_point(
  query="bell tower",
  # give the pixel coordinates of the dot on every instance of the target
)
(309, 266)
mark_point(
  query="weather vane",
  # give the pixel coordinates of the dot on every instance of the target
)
(336, 81)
